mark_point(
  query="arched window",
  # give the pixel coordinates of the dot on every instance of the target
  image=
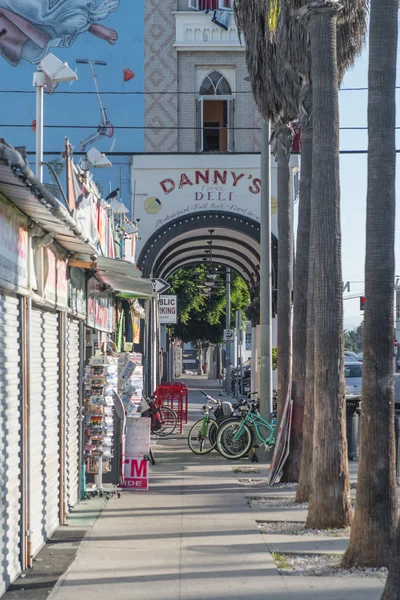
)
(215, 114)
(215, 84)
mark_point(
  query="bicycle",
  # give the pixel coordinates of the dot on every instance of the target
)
(235, 439)
(163, 419)
(202, 437)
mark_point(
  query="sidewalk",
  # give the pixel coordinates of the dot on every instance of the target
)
(194, 537)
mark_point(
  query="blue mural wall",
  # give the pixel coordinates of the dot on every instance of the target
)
(108, 32)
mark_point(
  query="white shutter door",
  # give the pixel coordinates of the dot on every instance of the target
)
(72, 416)
(10, 440)
(44, 427)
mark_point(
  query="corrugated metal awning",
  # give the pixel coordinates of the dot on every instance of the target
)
(22, 195)
(123, 277)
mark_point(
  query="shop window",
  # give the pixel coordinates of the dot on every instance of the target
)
(215, 114)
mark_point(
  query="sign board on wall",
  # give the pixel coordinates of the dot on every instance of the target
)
(195, 183)
(99, 306)
(55, 279)
(168, 310)
(77, 291)
(13, 245)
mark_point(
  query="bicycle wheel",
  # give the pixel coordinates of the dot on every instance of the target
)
(202, 437)
(169, 421)
(228, 446)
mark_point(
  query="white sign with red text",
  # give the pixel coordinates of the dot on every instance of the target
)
(135, 474)
(180, 186)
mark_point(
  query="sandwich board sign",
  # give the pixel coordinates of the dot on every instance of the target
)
(167, 306)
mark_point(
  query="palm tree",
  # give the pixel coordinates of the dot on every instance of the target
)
(376, 514)
(329, 499)
(294, 39)
(276, 92)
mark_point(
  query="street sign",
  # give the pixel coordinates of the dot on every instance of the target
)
(160, 286)
(229, 335)
(168, 310)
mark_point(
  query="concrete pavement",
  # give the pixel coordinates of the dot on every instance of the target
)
(194, 537)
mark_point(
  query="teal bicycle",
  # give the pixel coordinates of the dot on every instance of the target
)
(235, 439)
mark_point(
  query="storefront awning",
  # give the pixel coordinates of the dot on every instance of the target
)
(123, 277)
(35, 201)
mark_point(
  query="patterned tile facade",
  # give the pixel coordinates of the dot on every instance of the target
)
(168, 73)
(160, 75)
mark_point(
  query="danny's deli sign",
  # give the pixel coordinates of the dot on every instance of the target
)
(185, 185)
(212, 189)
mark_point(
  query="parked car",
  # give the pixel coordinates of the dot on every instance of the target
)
(360, 356)
(353, 377)
(350, 355)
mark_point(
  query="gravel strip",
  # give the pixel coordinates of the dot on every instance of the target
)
(293, 528)
(319, 565)
(254, 482)
(264, 483)
(275, 502)
(248, 469)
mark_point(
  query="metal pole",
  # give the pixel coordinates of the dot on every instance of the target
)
(38, 82)
(228, 382)
(265, 278)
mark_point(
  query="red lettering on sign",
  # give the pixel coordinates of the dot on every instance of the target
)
(168, 185)
(221, 178)
(256, 187)
(236, 178)
(184, 181)
(199, 175)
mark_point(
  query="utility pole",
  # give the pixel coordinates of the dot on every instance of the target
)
(265, 277)
(228, 382)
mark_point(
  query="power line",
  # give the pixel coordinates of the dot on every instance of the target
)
(140, 127)
(57, 152)
(155, 93)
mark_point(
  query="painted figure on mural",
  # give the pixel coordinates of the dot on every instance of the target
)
(33, 27)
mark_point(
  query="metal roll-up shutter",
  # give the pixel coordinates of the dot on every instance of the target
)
(10, 440)
(72, 415)
(44, 427)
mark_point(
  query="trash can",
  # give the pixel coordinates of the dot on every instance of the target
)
(353, 429)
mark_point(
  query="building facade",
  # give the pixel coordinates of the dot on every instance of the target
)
(196, 90)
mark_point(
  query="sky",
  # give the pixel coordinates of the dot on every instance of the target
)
(353, 178)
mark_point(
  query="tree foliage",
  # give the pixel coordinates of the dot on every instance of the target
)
(353, 339)
(202, 318)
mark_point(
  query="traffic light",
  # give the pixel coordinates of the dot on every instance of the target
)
(362, 302)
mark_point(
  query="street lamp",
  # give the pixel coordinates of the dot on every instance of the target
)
(50, 70)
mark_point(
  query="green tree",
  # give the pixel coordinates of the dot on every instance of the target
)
(202, 317)
(376, 513)
(353, 339)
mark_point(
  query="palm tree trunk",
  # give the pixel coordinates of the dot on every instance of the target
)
(329, 501)
(283, 137)
(376, 512)
(301, 272)
(304, 488)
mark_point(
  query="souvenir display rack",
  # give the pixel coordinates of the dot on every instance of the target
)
(130, 382)
(101, 380)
